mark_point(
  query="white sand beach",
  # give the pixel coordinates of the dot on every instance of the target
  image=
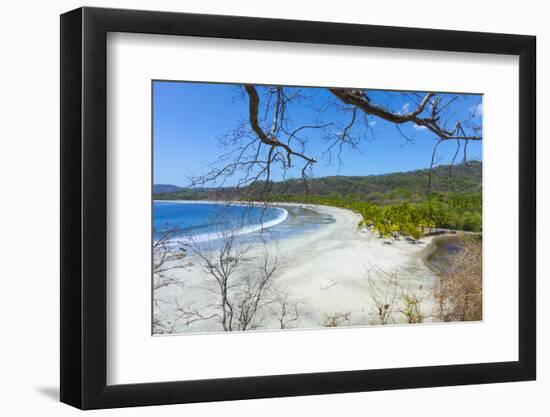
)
(326, 269)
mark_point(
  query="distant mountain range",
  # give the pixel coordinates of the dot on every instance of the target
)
(394, 186)
(166, 188)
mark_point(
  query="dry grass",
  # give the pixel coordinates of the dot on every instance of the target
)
(458, 293)
(336, 319)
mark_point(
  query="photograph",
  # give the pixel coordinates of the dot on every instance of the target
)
(273, 209)
(297, 207)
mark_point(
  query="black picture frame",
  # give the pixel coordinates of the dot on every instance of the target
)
(84, 207)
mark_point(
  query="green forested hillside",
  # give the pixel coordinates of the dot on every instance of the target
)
(399, 202)
(380, 189)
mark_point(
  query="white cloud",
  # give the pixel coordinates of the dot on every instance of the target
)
(477, 110)
(405, 108)
(372, 123)
(419, 127)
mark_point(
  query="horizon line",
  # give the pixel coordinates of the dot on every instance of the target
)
(336, 175)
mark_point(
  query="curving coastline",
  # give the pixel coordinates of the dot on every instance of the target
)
(328, 269)
(261, 225)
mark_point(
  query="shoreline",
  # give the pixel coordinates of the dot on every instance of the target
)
(431, 249)
(245, 230)
(328, 268)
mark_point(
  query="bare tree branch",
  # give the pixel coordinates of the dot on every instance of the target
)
(270, 139)
(263, 148)
(243, 284)
(360, 99)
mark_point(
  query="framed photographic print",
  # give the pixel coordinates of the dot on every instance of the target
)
(257, 208)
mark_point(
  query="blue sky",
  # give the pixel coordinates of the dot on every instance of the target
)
(189, 118)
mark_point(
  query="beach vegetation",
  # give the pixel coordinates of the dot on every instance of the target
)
(337, 319)
(243, 286)
(458, 291)
(413, 219)
(165, 261)
(383, 290)
(411, 307)
(390, 203)
(391, 301)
